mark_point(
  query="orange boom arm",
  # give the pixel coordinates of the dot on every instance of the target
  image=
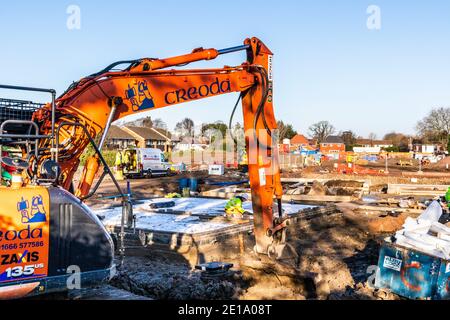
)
(148, 84)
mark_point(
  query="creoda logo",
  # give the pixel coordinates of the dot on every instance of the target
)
(139, 96)
(37, 214)
(24, 234)
(181, 95)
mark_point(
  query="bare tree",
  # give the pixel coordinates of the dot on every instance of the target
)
(436, 126)
(159, 124)
(185, 128)
(372, 136)
(321, 130)
(142, 122)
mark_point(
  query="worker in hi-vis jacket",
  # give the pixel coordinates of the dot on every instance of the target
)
(234, 208)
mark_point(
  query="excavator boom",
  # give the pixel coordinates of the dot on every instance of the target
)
(148, 84)
(89, 106)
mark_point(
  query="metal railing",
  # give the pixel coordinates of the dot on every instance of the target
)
(14, 108)
(17, 109)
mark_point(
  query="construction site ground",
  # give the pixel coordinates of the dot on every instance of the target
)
(337, 252)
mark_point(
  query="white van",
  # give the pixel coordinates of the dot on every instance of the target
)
(140, 163)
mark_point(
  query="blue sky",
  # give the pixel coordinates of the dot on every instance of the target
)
(328, 64)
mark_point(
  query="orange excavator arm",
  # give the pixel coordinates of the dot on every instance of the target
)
(147, 84)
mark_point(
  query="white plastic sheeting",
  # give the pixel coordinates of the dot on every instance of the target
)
(213, 207)
(426, 234)
(185, 222)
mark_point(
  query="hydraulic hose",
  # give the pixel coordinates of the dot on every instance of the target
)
(260, 111)
(261, 107)
(105, 70)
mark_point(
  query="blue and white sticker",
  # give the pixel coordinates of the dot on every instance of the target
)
(262, 177)
(392, 263)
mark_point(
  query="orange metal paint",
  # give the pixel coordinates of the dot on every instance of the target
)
(262, 194)
(25, 234)
(17, 291)
(196, 55)
(88, 176)
(149, 85)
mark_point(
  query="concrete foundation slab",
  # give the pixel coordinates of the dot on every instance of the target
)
(192, 231)
(189, 215)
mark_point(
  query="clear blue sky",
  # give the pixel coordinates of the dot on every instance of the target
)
(328, 65)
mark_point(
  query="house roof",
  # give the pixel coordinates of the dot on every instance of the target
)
(334, 139)
(299, 139)
(146, 133)
(116, 133)
(191, 140)
(374, 142)
(165, 133)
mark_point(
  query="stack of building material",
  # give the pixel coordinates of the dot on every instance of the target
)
(426, 234)
(417, 190)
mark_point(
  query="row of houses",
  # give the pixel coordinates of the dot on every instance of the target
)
(141, 137)
(334, 146)
(147, 137)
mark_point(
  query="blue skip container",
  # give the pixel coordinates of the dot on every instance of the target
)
(188, 183)
(183, 184)
(193, 184)
(413, 274)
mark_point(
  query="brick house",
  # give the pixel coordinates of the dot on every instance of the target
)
(151, 138)
(333, 147)
(119, 139)
(428, 148)
(301, 143)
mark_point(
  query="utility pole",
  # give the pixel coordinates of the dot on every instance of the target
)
(387, 163)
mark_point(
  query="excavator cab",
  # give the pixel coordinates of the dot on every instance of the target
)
(49, 240)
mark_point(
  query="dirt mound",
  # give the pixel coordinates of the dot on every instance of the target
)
(318, 189)
(441, 165)
(344, 184)
(162, 278)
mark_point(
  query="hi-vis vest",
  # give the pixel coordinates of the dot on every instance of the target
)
(234, 204)
(118, 159)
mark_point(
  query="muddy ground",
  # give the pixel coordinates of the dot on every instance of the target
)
(337, 255)
(338, 263)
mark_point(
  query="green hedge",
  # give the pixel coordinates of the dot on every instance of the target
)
(109, 155)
